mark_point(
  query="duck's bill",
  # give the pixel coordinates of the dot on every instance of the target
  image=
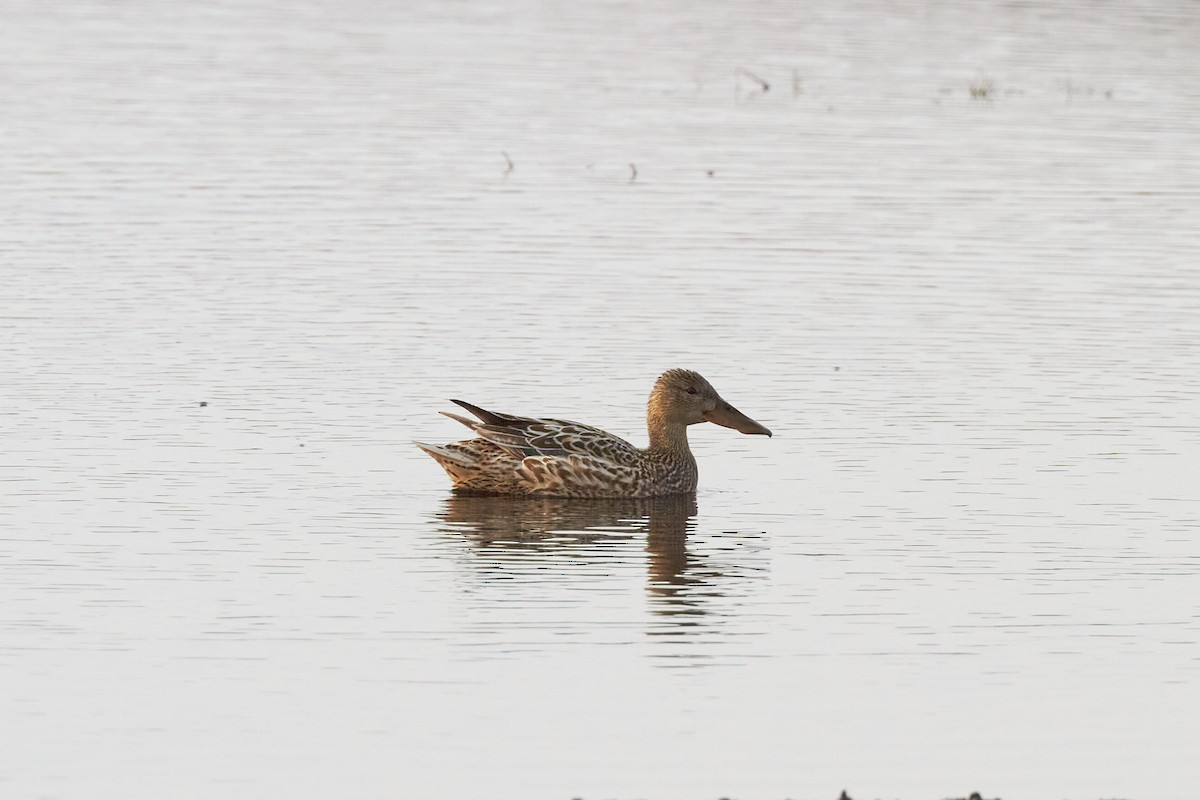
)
(727, 416)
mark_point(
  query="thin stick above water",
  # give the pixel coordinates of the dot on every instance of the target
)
(766, 87)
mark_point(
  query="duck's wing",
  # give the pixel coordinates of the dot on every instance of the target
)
(525, 437)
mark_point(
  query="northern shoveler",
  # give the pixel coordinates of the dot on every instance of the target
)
(556, 458)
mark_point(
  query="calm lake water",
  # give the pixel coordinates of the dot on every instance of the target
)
(968, 559)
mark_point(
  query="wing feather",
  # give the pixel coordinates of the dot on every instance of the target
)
(559, 438)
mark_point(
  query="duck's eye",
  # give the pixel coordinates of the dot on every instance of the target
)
(691, 390)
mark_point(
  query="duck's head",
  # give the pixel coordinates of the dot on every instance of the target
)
(683, 396)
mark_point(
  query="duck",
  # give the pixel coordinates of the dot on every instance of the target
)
(543, 457)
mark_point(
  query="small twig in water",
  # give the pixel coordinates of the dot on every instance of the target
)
(766, 87)
(982, 88)
(509, 168)
(632, 172)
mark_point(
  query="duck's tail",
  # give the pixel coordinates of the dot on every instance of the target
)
(470, 423)
(459, 464)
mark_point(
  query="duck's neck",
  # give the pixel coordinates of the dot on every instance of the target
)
(666, 435)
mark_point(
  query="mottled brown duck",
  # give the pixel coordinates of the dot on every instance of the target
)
(533, 457)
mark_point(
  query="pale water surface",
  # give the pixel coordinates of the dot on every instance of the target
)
(968, 560)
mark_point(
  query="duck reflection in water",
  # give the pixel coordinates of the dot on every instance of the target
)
(519, 538)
